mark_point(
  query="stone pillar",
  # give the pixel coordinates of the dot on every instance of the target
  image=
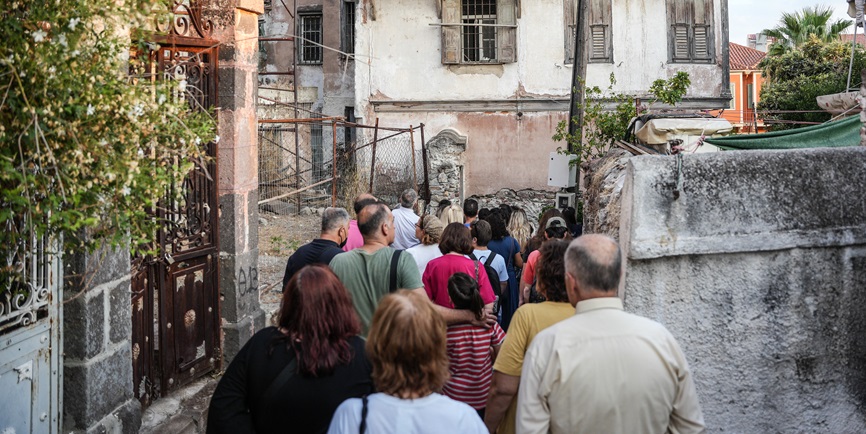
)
(97, 326)
(238, 175)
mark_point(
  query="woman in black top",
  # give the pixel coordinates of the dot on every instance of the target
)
(318, 340)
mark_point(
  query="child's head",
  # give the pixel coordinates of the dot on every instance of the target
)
(463, 290)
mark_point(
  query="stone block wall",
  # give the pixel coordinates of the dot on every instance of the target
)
(97, 327)
(758, 268)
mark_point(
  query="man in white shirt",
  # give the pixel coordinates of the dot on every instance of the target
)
(405, 220)
(604, 370)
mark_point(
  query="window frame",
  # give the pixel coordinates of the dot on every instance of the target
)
(690, 22)
(304, 43)
(348, 13)
(481, 31)
(501, 41)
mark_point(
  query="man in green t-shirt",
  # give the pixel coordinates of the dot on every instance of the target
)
(366, 271)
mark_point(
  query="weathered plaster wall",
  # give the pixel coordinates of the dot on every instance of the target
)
(508, 112)
(759, 270)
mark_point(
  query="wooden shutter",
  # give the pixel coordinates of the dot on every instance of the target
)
(702, 42)
(570, 15)
(506, 13)
(702, 32)
(680, 37)
(599, 20)
(451, 34)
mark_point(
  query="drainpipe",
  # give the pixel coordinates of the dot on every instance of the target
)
(578, 72)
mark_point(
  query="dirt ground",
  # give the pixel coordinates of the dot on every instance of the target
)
(279, 237)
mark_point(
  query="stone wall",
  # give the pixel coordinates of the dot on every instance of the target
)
(97, 331)
(759, 270)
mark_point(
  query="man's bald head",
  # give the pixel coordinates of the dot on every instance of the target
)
(595, 262)
(361, 201)
(371, 219)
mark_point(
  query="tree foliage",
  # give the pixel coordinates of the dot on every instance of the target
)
(602, 126)
(798, 76)
(83, 148)
(796, 28)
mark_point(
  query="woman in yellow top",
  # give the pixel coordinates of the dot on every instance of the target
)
(529, 319)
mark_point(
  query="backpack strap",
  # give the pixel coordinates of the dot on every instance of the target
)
(489, 261)
(395, 258)
(363, 428)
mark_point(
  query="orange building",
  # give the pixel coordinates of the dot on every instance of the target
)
(746, 81)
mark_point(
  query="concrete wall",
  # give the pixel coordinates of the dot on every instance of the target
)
(508, 112)
(759, 270)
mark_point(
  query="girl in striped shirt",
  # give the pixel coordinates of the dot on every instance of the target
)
(469, 347)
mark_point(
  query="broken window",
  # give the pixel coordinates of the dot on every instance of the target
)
(598, 18)
(690, 38)
(348, 35)
(310, 46)
(478, 31)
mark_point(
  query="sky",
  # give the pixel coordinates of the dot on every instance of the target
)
(752, 16)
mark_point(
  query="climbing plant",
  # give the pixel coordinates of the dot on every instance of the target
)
(86, 149)
(602, 125)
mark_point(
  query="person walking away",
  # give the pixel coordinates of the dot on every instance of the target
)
(604, 370)
(470, 211)
(501, 413)
(556, 230)
(452, 214)
(334, 235)
(519, 228)
(371, 271)
(293, 377)
(471, 349)
(505, 245)
(355, 238)
(429, 231)
(535, 242)
(406, 347)
(405, 220)
(481, 234)
(456, 243)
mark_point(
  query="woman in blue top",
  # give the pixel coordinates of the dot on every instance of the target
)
(505, 245)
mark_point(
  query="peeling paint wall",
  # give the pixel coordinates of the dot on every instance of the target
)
(759, 271)
(508, 111)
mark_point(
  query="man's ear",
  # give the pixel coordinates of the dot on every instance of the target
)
(571, 288)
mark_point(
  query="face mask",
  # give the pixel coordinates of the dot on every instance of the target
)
(345, 240)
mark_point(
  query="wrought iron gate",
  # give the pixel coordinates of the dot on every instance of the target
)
(176, 319)
(30, 345)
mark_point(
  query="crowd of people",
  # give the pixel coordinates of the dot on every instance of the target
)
(467, 320)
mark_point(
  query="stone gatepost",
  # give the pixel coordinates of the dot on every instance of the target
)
(97, 330)
(238, 175)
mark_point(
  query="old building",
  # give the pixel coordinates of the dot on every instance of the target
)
(746, 81)
(495, 75)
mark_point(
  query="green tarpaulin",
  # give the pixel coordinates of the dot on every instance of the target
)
(844, 132)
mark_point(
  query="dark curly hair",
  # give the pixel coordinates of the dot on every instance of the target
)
(551, 270)
(497, 226)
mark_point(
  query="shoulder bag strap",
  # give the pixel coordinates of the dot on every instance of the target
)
(394, 260)
(363, 428)
(476, 273)
(281, 380)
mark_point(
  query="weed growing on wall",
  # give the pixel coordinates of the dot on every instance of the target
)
(86, 150)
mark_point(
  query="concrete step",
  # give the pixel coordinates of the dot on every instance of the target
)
(184, 411)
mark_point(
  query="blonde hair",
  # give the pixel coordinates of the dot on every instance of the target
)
(407, 345)
(452, 214)
(519, 228)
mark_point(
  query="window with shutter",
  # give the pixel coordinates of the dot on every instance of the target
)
(598, 17)
(690, 38)
(478, 31)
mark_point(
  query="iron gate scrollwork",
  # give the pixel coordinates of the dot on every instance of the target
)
(175, 293)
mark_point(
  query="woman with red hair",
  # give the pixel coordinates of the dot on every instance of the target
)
(294, 376)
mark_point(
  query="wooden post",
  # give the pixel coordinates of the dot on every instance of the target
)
(412, 147)
(373, 158)
(334, 165)
(426, 165)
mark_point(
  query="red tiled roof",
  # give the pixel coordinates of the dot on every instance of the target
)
(744, 58)
(847, 37)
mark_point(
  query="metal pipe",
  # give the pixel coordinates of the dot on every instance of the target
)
(373, 159)
(426, 167)
(334, 165)
(412, 147)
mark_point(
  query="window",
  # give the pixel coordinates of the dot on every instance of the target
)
(263, 54)
(348, 35)
(750, 97)
(478, 31)
(310, 45)
(690, 37)
(349, 132)
(598, 18)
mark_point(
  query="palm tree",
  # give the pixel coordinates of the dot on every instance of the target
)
(798, 27)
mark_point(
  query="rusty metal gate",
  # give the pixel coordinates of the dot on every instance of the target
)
(31, 374)
(175, 297)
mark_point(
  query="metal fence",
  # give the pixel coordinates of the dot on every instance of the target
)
(297, 163)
